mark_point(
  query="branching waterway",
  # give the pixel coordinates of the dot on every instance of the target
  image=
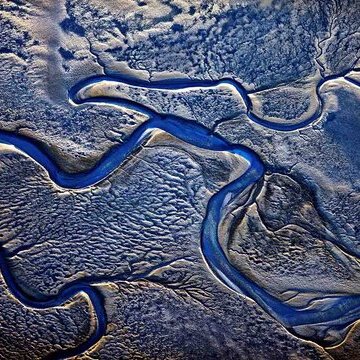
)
(344, 310)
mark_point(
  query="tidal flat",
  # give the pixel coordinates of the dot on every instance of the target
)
(179, 179)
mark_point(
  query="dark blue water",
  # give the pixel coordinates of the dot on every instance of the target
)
(66, 293)
(187, 84)
(344, 310)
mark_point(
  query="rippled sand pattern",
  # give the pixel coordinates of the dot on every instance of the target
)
(179, 180)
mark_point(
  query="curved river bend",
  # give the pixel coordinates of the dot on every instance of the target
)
(344, 311)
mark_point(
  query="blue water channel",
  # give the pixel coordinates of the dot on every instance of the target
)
(344, 311)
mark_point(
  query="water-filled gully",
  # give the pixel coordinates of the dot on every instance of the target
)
(344, 311)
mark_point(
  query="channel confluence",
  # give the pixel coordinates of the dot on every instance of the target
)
(345, 309)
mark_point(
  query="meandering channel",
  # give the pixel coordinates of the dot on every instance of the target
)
(344, 311)
(176, 84)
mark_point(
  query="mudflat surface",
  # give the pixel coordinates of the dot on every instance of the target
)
(179, 179)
